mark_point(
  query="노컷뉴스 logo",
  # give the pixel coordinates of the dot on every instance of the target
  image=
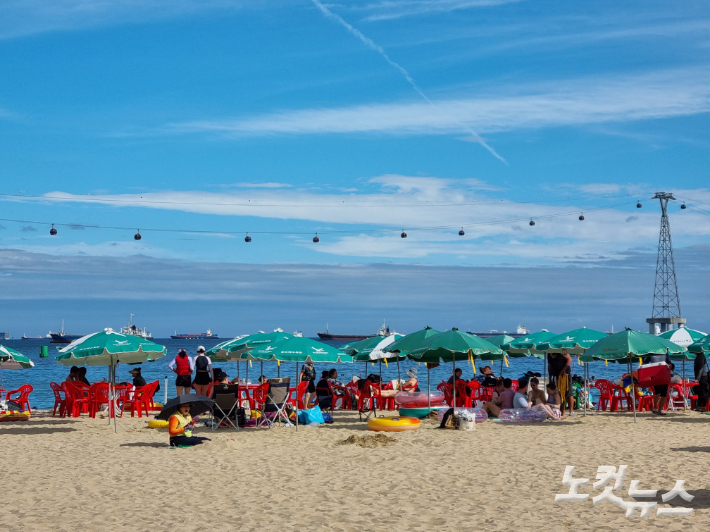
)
(605, 474)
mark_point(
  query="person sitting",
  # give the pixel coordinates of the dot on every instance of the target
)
(221, 378)
(73, 374)
(180, 425)
(457, 376)
(537, 396)
(237, 380)
(520, 400)
(262, 379)
(552, 403)
(81, 376)
(503, 401)
(138, 379)
(323, 391)
(333, 380)
(410, 385)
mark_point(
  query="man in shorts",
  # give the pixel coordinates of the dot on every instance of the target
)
(559, 364)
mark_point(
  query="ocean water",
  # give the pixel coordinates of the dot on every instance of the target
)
(47, 370)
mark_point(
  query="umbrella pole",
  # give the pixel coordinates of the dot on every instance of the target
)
(261, 371)
(685, 400)
(428, 387)
(501, 367)
(109, 395)
(278, 369)
(247, 377)
(166, 389)
(584, 389)
(399, 377)
(297, 385)
(239, 378)
(380, 374)
(633, 390)
(454, 381)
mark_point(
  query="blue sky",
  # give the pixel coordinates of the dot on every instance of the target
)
(354, 120)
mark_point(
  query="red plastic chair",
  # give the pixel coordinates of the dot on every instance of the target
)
(387, 402)
(645, 402)
(475, 390)
(462, 396)
(346, 402)
(487, 393)
(260, 395)
(300, 392)
(59, 401)
(140, 401)
(447, 390)
(24, 398)
(620, 398)
(606, 394)
(76, 401)
(98, 396)
(368, 399)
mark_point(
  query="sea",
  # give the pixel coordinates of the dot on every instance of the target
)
(47, 370)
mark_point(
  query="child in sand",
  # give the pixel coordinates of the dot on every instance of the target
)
(180, 427)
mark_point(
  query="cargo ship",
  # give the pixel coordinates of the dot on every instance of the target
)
(4, 336)
(62, 337)
(198, 336)
(519, 333)
(384, 331)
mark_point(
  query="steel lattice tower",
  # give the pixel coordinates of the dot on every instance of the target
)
(666, 303)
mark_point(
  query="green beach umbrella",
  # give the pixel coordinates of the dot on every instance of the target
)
(528, 345)
(627, 346)
(701, 346)
(410, 342)
(234, 349)
(683, 336)
(500, 340)
(297, 349)
(453, 345)
(372, 349)
(108, 347)
(11, 359)
(573, 342)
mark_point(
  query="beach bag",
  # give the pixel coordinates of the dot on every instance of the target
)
(327, 418)
(312, 415)
(656, 374)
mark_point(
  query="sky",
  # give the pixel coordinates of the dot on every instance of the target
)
(196, 123)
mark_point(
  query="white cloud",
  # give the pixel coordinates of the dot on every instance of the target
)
(393, 9)
(26, 17)
(578, 102)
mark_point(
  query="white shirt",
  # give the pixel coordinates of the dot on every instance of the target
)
(173, 364)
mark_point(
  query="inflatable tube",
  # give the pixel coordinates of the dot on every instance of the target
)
(14, 415)
(419, 413)
(157, 424)
(481, 415)
(393, 424)
(522, 415)
(419, 399)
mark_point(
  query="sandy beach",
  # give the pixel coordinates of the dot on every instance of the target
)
(76, 474)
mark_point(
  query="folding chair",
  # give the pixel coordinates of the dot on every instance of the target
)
(275, 404)
(226, 405)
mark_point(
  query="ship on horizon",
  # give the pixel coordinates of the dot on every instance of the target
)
(63, 338)
(132, 330)
(519, 333)
(199, 336)
(384, 331)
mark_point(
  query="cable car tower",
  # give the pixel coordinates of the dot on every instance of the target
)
(666, 303)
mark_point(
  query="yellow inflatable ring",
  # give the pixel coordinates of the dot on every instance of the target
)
(157, 424)
(394, 424)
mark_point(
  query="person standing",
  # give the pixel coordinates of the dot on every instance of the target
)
(182, 366)
(702, 390)
(308, 373)
(204, 375)
(559, 367)
(660, 391)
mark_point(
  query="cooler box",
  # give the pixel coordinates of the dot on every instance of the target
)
(654, 374)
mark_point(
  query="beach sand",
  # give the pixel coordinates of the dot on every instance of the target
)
(76, 474)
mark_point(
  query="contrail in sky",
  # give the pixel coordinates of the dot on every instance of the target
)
(377, 48)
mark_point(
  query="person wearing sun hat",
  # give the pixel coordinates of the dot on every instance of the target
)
(138, 379)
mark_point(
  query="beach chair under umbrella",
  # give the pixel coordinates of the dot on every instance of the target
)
(575, 342)
(299, 350)
(452, 346)
(629, 346)
(108, 348)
